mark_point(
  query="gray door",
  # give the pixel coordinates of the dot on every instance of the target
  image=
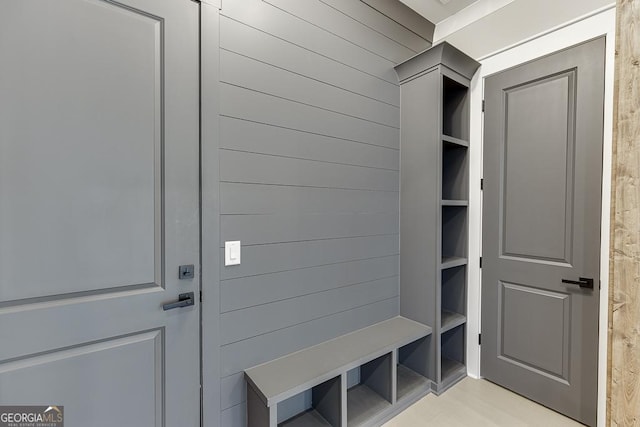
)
(541, 225)
(98, 208)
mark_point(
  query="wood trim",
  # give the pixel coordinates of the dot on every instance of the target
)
(623, 388)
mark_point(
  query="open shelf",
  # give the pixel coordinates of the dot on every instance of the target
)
(455, 171)
(409, 382)
(448, 202)
(363, 404)
(450, 320)
(456, 141)
(455, 109)
(373, 395)
(452, 366)
(325, 406)
(453, 298)
(452, 370)
(454, 231)
(310, 418)
(412, 369)
(452, 261)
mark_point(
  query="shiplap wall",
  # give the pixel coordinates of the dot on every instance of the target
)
(309, 179)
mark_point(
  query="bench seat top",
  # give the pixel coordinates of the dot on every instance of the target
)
(279, 379)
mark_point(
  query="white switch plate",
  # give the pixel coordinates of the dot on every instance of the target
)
(232, 253)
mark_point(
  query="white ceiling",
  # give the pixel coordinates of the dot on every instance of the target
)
(437, 10)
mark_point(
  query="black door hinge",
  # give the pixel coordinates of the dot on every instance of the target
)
(483, 105)
(200, 296)
(481, 183)
(479, 339)
(480, 262)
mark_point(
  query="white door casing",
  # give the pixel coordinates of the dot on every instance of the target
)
(598, 23)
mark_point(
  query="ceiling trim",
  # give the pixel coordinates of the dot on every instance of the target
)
(466, 16)
(405, 16)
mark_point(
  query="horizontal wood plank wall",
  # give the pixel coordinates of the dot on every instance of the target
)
(309, 177)
(623, 391)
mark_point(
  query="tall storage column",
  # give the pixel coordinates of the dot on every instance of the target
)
(434, 188)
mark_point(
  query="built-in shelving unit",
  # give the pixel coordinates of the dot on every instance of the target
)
(384, 359)
(434, 197)
(454, 231)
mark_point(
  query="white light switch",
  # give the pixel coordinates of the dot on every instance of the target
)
(232, 253)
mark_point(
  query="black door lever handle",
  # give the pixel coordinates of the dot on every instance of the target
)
(184, 300)
(583, 282)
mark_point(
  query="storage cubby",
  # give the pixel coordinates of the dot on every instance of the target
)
(453, 306)
(454, 232)
(455, 175)
(325, 406)
(455, 109)
(452, 356)
(411, 370)
(373, 395)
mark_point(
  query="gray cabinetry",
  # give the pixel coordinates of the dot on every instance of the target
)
(359, 379)
(434, 165)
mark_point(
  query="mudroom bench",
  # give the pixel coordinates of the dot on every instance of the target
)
(359, 379)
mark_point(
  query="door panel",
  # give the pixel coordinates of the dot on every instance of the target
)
(541, 176)
(533, 326)
(137, 359)
(98, 208)
(88, 178)
(541, 224)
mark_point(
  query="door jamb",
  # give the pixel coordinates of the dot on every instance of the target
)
(210, 213)
(600, 22)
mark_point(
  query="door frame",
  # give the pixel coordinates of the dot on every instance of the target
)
(210, 251)
(598, 23)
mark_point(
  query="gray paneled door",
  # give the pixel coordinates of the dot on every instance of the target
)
(541, 225)
(98, 208)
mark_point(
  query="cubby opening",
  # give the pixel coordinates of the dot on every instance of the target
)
(373, 393)
(453, 356)
(455, 109)
(455, 175)
(322, 407)
(454, 233)
(412, 368)
(453, 298)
